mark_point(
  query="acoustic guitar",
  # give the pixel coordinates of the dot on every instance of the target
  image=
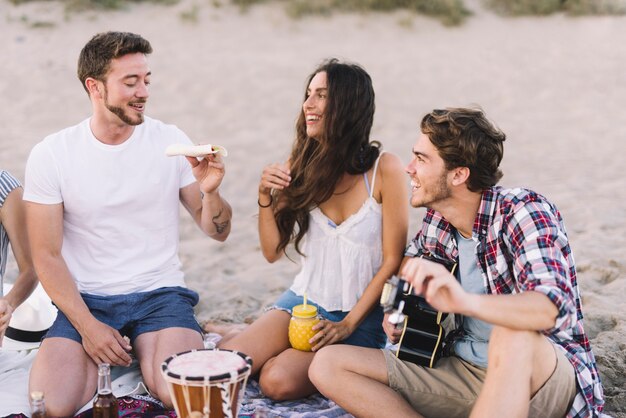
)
(423, 335)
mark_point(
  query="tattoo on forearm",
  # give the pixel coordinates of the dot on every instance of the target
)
(220, 226)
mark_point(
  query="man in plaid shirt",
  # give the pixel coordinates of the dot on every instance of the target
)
(521, 349)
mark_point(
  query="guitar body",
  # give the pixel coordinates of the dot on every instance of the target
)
(422, 334)
(422, 337)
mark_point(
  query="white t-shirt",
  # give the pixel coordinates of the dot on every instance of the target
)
(120, 205)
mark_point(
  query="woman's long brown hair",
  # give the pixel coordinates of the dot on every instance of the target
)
(317, 164)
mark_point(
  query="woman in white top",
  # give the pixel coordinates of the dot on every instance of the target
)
(13, 232)
(343, 204)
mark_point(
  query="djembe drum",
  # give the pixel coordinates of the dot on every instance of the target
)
(206, 383)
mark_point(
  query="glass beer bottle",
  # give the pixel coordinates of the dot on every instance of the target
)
(105, 404)
(37, 405)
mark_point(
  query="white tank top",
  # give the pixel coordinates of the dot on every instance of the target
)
(341, 260)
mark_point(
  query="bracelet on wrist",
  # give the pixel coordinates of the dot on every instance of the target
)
(265, 206)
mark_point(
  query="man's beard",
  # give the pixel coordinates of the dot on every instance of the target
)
(124, 117)
(119, 112)
(440, 193)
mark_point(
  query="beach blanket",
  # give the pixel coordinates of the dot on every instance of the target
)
(315, 406)
(135, 402)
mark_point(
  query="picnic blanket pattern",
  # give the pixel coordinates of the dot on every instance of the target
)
(315, 406)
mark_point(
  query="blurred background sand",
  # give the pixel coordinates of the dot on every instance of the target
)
(556, 85)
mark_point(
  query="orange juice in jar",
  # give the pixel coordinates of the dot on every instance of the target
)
(303, 318)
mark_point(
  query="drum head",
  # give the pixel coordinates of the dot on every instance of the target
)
(207, 365)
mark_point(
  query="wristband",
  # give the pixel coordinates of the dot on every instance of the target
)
(265, 206)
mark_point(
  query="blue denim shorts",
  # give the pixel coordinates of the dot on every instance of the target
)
(135, 313)
(368, 334)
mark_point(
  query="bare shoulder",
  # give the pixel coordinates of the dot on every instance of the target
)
(390, 175)
(390, 165)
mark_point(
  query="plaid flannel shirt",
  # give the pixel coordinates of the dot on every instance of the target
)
(523, 246)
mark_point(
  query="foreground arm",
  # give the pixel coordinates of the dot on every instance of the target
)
(202, 199)
(522, 311)
(535, 240)
(395, 225)
(45, 232)
(12, 218)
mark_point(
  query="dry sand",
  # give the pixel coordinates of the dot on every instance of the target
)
(555, 85)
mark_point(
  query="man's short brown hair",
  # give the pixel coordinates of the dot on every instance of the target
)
(465, 138)
(96, 56)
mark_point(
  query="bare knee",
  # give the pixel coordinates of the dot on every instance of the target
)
(518, 345)
(156, 385)
(159, 390)
(503, 336)
(57, 405)
(276, 381)
(65, 374)
(54, 408)
(324, 366)
(164, 396)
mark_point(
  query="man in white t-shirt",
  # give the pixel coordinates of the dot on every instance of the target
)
(102, 205)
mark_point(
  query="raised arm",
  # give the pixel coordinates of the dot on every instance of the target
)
(12, 218)
(394, 198)
(202, 199)
(531, 311)
(45, 232)
(275, 176)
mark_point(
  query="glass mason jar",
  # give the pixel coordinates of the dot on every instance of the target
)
(303, 318)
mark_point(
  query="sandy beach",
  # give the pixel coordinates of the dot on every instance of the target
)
(555, 85)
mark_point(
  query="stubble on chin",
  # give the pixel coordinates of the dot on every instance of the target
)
(140, 120)
(416, 204)
(119, 112)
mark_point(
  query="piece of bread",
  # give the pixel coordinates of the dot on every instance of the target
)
(195, 150)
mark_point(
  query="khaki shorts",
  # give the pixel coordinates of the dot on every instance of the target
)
(451, 388)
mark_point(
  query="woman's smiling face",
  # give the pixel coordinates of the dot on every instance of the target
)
(315, 105)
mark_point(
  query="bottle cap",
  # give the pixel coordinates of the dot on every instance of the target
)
(36, 395)
(304, 311)
(104, 369)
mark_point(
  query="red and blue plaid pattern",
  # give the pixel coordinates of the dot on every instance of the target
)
(523, 246)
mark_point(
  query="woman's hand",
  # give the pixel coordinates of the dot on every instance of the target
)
(274, 176)
(329, 332)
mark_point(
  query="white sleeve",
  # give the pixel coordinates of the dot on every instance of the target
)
(42, 182)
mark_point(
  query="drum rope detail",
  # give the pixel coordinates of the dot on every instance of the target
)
(206, 383)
